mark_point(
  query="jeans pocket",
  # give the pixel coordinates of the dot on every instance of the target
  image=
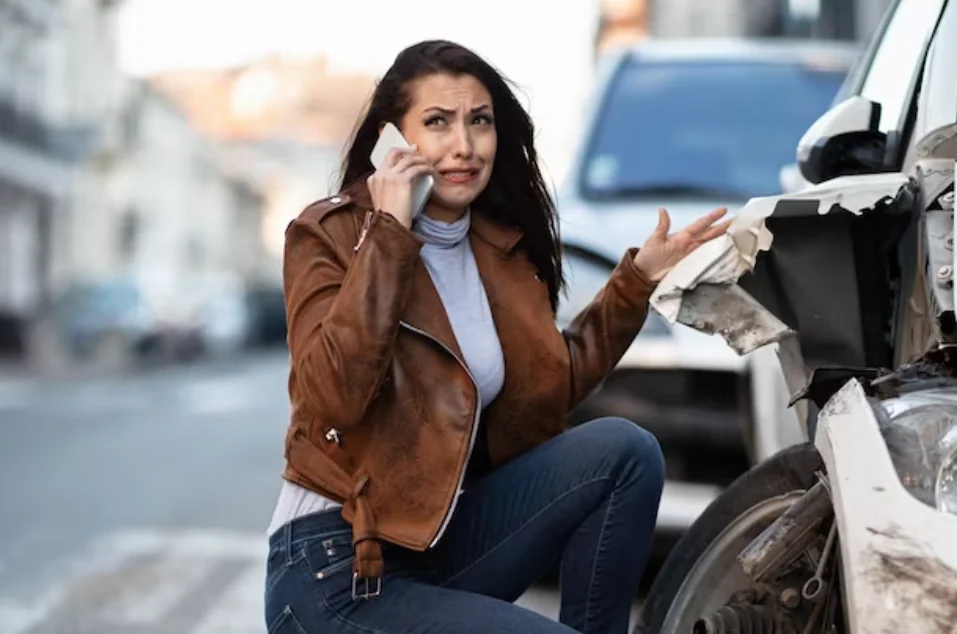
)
(286, 623)
(326, 572)
(335, 547)
(329, 564)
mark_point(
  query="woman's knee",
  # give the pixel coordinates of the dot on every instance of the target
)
(635, 449)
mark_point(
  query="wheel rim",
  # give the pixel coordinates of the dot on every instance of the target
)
(716, 576)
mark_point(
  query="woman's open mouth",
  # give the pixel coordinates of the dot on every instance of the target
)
(459, 177)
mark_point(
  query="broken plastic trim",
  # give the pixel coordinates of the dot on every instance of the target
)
(728, 310)
(746, 325)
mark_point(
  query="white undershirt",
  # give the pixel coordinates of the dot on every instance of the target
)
(448, 256)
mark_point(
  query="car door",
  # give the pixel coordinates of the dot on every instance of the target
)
(889, 72)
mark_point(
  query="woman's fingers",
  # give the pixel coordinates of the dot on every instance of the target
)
(664, 224)
(399, 158)
(408, 161)
(396, 154)
(701, 224)
(713, 232)
(418, 169)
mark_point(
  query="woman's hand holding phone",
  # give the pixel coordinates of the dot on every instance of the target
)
(392, 184)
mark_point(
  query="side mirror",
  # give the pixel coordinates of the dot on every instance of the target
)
(845, 140)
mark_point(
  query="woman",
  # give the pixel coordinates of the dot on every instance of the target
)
(429, 478)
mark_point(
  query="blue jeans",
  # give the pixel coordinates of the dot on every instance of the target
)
(587, 498)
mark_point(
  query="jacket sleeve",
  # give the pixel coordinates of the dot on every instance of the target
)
(343, 316)
(600, 335)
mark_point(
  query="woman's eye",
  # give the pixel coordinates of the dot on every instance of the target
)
(482, 119)
(431, 121)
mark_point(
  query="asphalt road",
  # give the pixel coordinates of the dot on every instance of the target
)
(138, 504)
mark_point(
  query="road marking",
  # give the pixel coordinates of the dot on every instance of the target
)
(217, 396)
(212, 543)
(17, 619)
(15, 394)
(164, 580)
(150, 588)
(240, 610)
(137, 579)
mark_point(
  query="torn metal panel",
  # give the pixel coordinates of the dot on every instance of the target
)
(796, 376)
(728, 310)
(725, 259)
(936, 180)
(719, 261)
(938, 143)
(854, 194)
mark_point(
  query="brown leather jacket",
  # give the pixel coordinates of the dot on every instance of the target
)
(384, 411)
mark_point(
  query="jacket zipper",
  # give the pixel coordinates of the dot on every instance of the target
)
(366, 224)
(472, 434)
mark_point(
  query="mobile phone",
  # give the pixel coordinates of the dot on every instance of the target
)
(392, 138)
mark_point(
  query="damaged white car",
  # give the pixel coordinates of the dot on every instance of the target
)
(850, 282)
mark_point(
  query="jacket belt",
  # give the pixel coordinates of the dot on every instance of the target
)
(368, 565)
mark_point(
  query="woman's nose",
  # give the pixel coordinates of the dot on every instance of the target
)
(463, 143)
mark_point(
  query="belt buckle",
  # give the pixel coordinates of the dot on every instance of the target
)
(369, 584)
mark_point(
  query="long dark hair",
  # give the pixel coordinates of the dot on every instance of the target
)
(516, 193)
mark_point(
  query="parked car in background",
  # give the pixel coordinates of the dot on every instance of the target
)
(111, 322)
(266, 308)
(225, 322)
(108, 317)
(689, 125)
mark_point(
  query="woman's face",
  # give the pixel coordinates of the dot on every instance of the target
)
(450, 120)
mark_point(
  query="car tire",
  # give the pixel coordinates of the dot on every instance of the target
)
(792, 469)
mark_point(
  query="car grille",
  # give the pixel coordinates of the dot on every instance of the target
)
(701, 418)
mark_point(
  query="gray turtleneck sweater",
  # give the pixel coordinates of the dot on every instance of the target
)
(447, 254)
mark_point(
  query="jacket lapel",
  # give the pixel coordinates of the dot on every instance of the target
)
(426, 312)
(491, 244)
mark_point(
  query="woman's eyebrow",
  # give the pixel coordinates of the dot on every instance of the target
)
(449, 111)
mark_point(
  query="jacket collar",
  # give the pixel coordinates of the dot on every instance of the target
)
(503, 237)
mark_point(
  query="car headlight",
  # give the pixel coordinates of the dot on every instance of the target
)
(588, 275)
(920, 430)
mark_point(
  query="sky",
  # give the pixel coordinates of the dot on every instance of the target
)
(543, 45)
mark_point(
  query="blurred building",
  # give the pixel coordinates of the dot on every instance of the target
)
(622, 21)
(281, 120)
(51, 89)
(853, 20)
(103, 178)
(174, 218)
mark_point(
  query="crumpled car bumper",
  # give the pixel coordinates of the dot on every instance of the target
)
(899, 555)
